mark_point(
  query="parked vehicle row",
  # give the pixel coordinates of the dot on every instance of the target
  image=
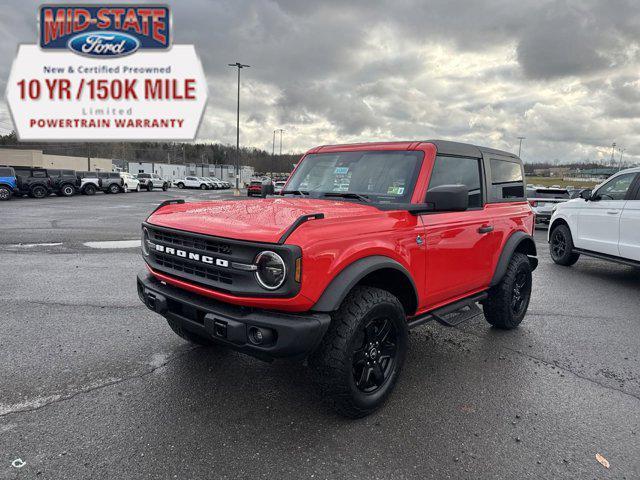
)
(203, 183)
(37, 182)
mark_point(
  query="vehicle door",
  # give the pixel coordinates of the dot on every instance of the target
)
(22, 178)
(191, 182)
(457, 242)
(56, 178)
(599, 219)
(40, 176)
(630, 224)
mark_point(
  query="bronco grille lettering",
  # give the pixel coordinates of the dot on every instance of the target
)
(192, 256)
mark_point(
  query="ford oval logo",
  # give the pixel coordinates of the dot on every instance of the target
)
(104, 44)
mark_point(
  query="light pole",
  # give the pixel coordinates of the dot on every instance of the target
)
(239, 66)
(273, 152)
(520, 146)
(273, 148)
(613, 149)
(281, 132)
(621, 152)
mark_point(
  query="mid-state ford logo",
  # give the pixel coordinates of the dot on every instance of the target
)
(104, 44)
(105, 30)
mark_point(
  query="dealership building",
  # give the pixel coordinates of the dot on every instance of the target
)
(35, 158)
(173, 171)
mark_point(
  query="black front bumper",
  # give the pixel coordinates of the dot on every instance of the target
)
(292, 335)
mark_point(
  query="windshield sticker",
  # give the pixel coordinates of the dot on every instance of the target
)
(395, 191)
(341, 170)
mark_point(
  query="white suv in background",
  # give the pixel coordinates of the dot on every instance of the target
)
(192, 182)
(131, 183)
(603, 223)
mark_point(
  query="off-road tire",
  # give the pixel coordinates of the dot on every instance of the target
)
(561, 246)
(89, 190)
(190, 336)
(38, 192)
(333, 362)
(5, 193)
(499, 309)
(67, 191)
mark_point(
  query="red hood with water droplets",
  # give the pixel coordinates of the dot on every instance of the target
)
(261, 220)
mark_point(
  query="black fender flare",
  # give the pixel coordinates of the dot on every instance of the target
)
(519, 241)
(349, 277)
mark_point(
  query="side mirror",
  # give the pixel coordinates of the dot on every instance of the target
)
(448, 198)
(586, 194)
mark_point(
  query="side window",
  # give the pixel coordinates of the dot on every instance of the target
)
(39, 174)
(507, 181)
(616, 188)
(459, 171)
(6, 172)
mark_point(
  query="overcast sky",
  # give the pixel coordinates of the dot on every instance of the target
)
(564, 74)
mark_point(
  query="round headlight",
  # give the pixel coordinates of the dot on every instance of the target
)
(271, 271)
(145, 242)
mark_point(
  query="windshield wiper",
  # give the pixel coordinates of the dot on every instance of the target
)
(357, 196)
(295, 192)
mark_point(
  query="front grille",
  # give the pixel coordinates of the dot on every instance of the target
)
(202, 271)
(208, 261)
(186, 241)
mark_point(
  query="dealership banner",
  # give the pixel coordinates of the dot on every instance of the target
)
(106, 73)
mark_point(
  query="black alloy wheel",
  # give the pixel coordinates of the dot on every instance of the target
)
(5, 193)
(561, 246)
(558, 243)
(521, 293)
(373, 362)
(38, 192)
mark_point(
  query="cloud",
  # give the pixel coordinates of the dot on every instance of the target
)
(563, 73)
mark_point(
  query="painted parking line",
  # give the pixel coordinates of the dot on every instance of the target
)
(32, 245)
(113, 244)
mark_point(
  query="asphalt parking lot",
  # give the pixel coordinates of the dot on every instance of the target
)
(93, 385)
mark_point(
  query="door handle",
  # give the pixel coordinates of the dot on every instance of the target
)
(613, 212)
(485, 229)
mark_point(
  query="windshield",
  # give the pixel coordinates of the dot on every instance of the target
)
(380, 176)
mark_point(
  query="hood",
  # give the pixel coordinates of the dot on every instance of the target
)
(262, 220)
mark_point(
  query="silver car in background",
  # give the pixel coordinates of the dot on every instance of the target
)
(543, 201)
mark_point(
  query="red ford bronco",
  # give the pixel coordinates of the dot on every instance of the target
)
(364, 243)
